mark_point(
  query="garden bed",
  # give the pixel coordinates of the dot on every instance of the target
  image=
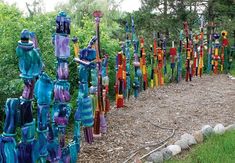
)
(185, 107)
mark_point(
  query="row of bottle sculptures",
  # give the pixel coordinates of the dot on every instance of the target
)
(46, 141)
(218, 55)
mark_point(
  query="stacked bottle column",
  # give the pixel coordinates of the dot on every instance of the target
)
(155, 62)
(224, 53)
(19, 110)
(30, 65)
(105, 85)
(160, 58)
(85, 103)
(216, 56)
(61, 108)
(119, 85)
(136, 62)
(42, 92)
(179, 58)
(128, 59)
(143, 66)
(173, 52)
(195, 55)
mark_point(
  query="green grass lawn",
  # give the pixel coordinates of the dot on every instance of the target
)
(217, 149)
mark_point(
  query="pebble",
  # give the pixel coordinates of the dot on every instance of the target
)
(198, 136)
(167, 154)
(156, 157)
(175, 149)
(182, 143)
(189, 138)
(207, 130)
(230, 127)
(219, 129)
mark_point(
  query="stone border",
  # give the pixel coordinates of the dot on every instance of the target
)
(186, 140)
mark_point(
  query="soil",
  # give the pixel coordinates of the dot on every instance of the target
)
(185, 106)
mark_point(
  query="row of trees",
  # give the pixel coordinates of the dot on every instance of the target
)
(167, 16)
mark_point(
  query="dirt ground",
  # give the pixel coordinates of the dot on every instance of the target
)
(186, 107)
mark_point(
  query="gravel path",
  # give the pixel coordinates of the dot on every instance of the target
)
(184, 106)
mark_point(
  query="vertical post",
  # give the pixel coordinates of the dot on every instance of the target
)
(179, 58)
(155, 58)
(187, 63)
(160, 56)
(210, 47)
(216, 56)
(164, 54)
(143, 64)
(100, 110)
(128, 58)
(201, 64)
(136, 63)
(27, 122)
(61, 108)
(119, 86)
(172, 56)
(224, 52)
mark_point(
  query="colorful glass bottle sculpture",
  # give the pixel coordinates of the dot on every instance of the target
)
(172, 56)
(43, 93)
(160, 57)
(195, 55)
(143, 64)
(84, 112)
(119, 85)
(19, 110)
(128, 61)
(61, 108)
(189, 62)
(201, 63)
(179, 58)
(224, 51)
(136, 63)
(154, 77)
(216, 56)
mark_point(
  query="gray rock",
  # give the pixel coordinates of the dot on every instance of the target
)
(230, 127)
(183, 143)
(198, 136)
(219, 129)
(156, 157)
(175, 149)
(167, 154)
(189, 138)
(207, 130)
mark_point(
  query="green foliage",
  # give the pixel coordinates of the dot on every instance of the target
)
(12, 22)
(216, 149)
